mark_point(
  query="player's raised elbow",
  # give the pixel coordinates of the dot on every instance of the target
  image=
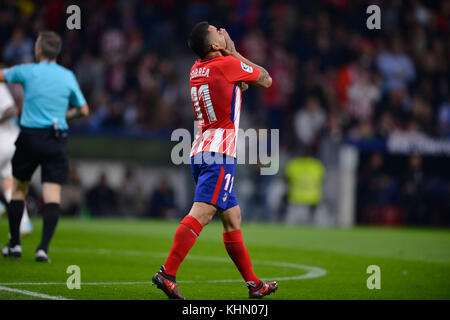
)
(265, 83)
(264, 79)
(268, 82)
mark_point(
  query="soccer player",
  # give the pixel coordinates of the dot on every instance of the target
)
(8, 135)
(216, 80)
(48, 91)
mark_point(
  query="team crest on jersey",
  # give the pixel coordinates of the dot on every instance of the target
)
(246, 67)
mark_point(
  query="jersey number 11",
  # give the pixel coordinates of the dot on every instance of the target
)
(203, 95)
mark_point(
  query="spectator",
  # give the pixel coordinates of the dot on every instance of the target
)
(101, 199)
(413, 191)
(162, 201)
(130, 196)
(363, 93)
(444, 119)
(72, 197)
(100, 112)
(90, 74)
(376, 189)
(395, 65)
(19, 49)
(309, 121)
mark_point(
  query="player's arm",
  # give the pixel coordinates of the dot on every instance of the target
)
(2, 76)
(264, 80)
(8, 108)
(8, 114)
(79, 112)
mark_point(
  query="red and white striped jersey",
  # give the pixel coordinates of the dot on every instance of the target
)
(216, 99)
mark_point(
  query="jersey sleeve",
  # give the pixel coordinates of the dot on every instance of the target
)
(235, 70)
(16, 74)
(76, 96)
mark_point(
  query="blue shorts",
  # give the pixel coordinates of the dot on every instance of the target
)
(214, 175)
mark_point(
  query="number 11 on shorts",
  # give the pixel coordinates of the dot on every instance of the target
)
(227, 178)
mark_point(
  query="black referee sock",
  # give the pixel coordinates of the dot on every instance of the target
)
(51, 215)
(3, 200)
(15, 212)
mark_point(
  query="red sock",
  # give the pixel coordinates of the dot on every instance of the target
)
(237, 251)
(185, 236)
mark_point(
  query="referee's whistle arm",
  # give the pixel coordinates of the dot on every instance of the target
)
(84, 110)
(74, 113)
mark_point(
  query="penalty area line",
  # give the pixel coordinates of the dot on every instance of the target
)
(32, 294)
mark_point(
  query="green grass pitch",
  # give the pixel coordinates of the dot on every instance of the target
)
(117, 259)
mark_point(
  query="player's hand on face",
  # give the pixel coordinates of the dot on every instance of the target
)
(229, 43)
(225, 51)
(243, 86)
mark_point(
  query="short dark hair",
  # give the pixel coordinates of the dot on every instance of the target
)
(198, 39)
(50, 44)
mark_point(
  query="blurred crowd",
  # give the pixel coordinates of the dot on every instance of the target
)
(404, 190)
(132, 61)
(333, 78)
(103, 199)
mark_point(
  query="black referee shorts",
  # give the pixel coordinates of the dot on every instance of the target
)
(42, 147)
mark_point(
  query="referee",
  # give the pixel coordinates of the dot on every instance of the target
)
(48, 90)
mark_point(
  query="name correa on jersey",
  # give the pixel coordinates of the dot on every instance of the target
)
(199, 72)
(216, 99)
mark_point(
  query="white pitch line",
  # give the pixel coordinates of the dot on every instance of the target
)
(313, 272)
(81, 283)
(32, 293)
